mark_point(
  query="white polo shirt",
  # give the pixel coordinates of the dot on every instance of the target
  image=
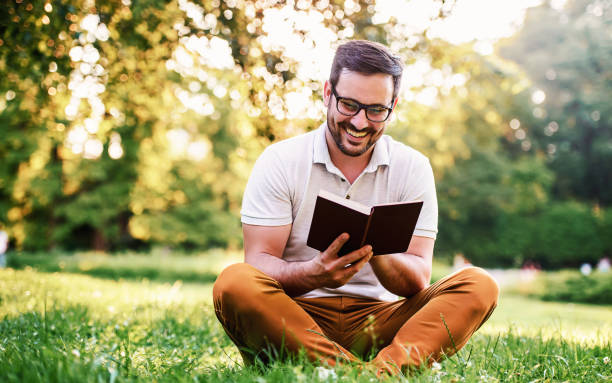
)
(288, 175)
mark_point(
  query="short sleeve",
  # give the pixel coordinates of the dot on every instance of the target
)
(424, 189)
(266, 200)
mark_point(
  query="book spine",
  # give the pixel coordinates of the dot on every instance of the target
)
(367, 228)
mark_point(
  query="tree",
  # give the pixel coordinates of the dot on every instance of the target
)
(567, 55)
(130, 122)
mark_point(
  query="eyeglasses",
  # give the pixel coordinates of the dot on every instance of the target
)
(350, 107)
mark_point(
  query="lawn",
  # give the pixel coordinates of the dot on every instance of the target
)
(60, 326)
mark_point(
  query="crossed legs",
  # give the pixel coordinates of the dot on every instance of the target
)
(257, 315)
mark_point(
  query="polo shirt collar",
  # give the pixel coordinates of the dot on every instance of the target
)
(380, 155)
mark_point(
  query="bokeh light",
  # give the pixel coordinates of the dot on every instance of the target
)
(306, 45)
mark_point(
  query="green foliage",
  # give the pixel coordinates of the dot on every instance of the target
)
(565, 234)
(574, 287)
(538, 195)
(566, 54)
(605, 229)
(563, 286)
(560, 234)
(501, 187)
(55, 196)
(483, 205)
(28, 48)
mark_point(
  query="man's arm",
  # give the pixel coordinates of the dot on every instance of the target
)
(264, 246)
(405, 274)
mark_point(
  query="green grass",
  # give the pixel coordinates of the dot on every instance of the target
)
(159, 265)
(67, 327)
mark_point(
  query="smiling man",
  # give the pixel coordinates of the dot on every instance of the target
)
(288, 297)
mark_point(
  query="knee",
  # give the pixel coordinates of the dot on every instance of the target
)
(484, 288)
(231, 281)
(240, 283)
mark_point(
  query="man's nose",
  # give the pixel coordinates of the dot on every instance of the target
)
(360, 121)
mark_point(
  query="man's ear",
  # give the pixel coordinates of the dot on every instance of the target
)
(326, 93)
(395, 103)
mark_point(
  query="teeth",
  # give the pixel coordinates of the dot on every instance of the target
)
(356, 133)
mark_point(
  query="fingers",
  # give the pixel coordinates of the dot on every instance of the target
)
(356, 255)
(335, 246)
(336, 271)
(362, 259)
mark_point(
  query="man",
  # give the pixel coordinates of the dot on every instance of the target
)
(289, 297)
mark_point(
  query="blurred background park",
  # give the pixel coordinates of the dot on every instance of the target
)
(128, 129)
(131, 126)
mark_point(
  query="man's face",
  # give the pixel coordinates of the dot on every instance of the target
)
(355, 135)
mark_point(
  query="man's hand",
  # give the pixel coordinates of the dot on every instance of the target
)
(329, 270)
(264, 246)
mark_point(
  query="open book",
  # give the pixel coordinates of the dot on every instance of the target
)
(387, 228)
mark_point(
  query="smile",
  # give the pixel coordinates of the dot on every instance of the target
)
(356, 133)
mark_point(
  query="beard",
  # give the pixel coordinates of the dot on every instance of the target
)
(335, 129)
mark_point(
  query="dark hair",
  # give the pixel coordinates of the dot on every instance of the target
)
(369, 58)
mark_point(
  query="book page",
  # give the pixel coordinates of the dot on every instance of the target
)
(398, 203)
(345, 202)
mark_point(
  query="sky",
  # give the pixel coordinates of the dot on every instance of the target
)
(482, 20)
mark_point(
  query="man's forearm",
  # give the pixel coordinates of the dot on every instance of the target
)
(402, 274)
(293, 276)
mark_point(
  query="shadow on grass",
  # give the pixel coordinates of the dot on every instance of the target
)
(113, 272)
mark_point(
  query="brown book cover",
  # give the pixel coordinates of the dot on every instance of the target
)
(387, 228)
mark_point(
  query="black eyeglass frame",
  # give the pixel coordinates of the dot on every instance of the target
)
(360, 106)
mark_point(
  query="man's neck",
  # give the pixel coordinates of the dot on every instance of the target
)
(350, 166)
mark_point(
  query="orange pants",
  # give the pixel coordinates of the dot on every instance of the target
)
(259, 317)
